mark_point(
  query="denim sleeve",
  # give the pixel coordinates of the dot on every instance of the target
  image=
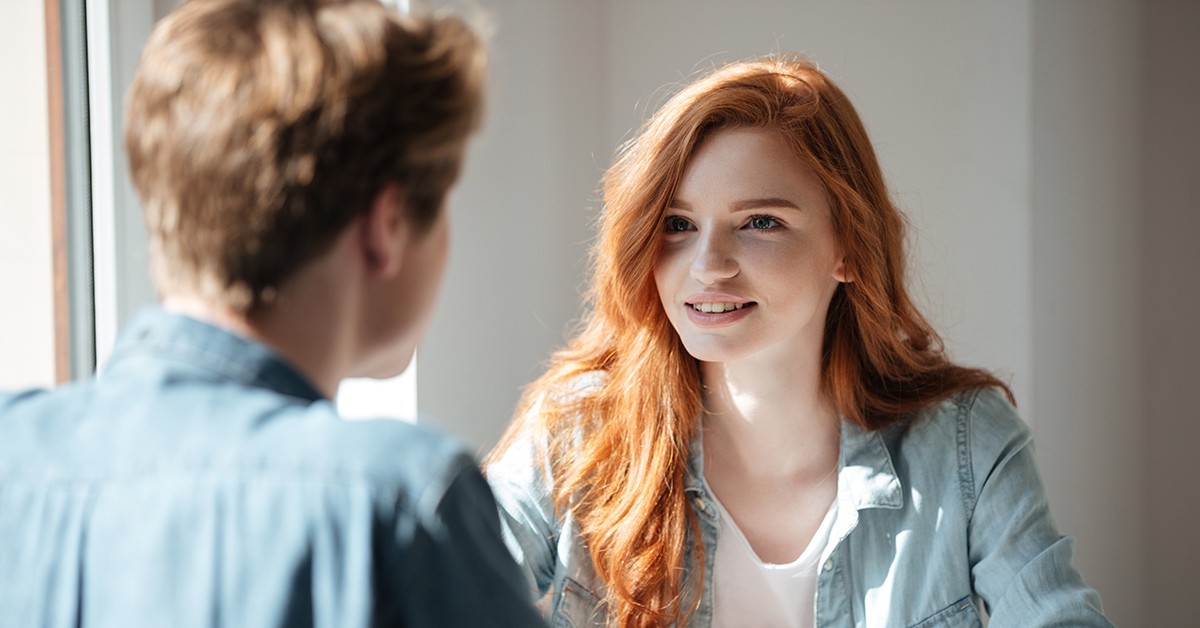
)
(521, 482)
(1020, 565)
(459, 572)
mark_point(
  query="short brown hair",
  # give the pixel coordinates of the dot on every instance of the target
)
(257, 130)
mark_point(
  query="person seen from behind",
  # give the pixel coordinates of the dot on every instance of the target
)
(293, 159)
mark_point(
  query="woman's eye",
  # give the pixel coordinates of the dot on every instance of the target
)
(675, 224)
(762, 222)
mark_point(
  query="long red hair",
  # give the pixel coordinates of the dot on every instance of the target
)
(619, 449)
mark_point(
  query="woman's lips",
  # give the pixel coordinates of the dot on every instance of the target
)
(718, 313)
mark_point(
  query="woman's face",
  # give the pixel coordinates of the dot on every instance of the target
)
(750, 261)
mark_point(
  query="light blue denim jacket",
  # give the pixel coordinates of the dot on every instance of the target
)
(935, 516)
(202, 481)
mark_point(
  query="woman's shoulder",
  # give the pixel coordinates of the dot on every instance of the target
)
(523, 453)
(565, 400)
(975, 431)
(978, 428)
(981, 414)
(582, 385)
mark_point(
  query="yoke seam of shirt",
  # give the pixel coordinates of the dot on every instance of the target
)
(966, 473)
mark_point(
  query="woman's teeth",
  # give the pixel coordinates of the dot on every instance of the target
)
(717, 308)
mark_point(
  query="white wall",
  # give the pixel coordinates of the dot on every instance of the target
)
(519, 218)
(26, 270)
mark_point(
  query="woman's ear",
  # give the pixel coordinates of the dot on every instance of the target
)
(384, 231)
(840, 273)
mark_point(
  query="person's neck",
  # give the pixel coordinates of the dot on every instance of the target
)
(303, 326)
(770, 417)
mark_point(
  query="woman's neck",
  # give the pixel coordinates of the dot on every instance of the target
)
(771, 420)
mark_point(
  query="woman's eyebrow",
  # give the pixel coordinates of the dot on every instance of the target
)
(739, 206)
(758, 203)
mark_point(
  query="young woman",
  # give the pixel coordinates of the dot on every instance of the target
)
(756, 427)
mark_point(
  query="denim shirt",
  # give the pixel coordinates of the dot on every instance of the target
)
(202, 481)
(935, 516)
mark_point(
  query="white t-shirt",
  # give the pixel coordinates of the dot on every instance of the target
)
(748, 593)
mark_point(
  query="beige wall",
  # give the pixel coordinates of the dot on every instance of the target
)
(1169, 224)
(1086, 268)
(26, 273)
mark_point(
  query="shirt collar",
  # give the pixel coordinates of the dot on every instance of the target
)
(866, 472)
(168, 339)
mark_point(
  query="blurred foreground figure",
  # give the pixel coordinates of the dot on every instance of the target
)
(292, 157)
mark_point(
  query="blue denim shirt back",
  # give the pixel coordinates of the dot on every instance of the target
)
(935, 516)
(202, 481)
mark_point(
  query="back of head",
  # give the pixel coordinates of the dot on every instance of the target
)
(257, 130)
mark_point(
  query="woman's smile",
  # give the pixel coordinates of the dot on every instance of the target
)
(719, 314)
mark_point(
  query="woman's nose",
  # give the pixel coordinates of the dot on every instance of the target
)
(714, 260)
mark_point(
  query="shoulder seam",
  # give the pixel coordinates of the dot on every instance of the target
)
(966, 474)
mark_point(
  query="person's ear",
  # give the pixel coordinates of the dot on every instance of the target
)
(840, 273)
(384, 231)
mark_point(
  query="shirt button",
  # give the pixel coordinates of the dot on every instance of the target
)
(699, 502)
(829, 565)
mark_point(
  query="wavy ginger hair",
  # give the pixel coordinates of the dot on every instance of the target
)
(618, 450)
